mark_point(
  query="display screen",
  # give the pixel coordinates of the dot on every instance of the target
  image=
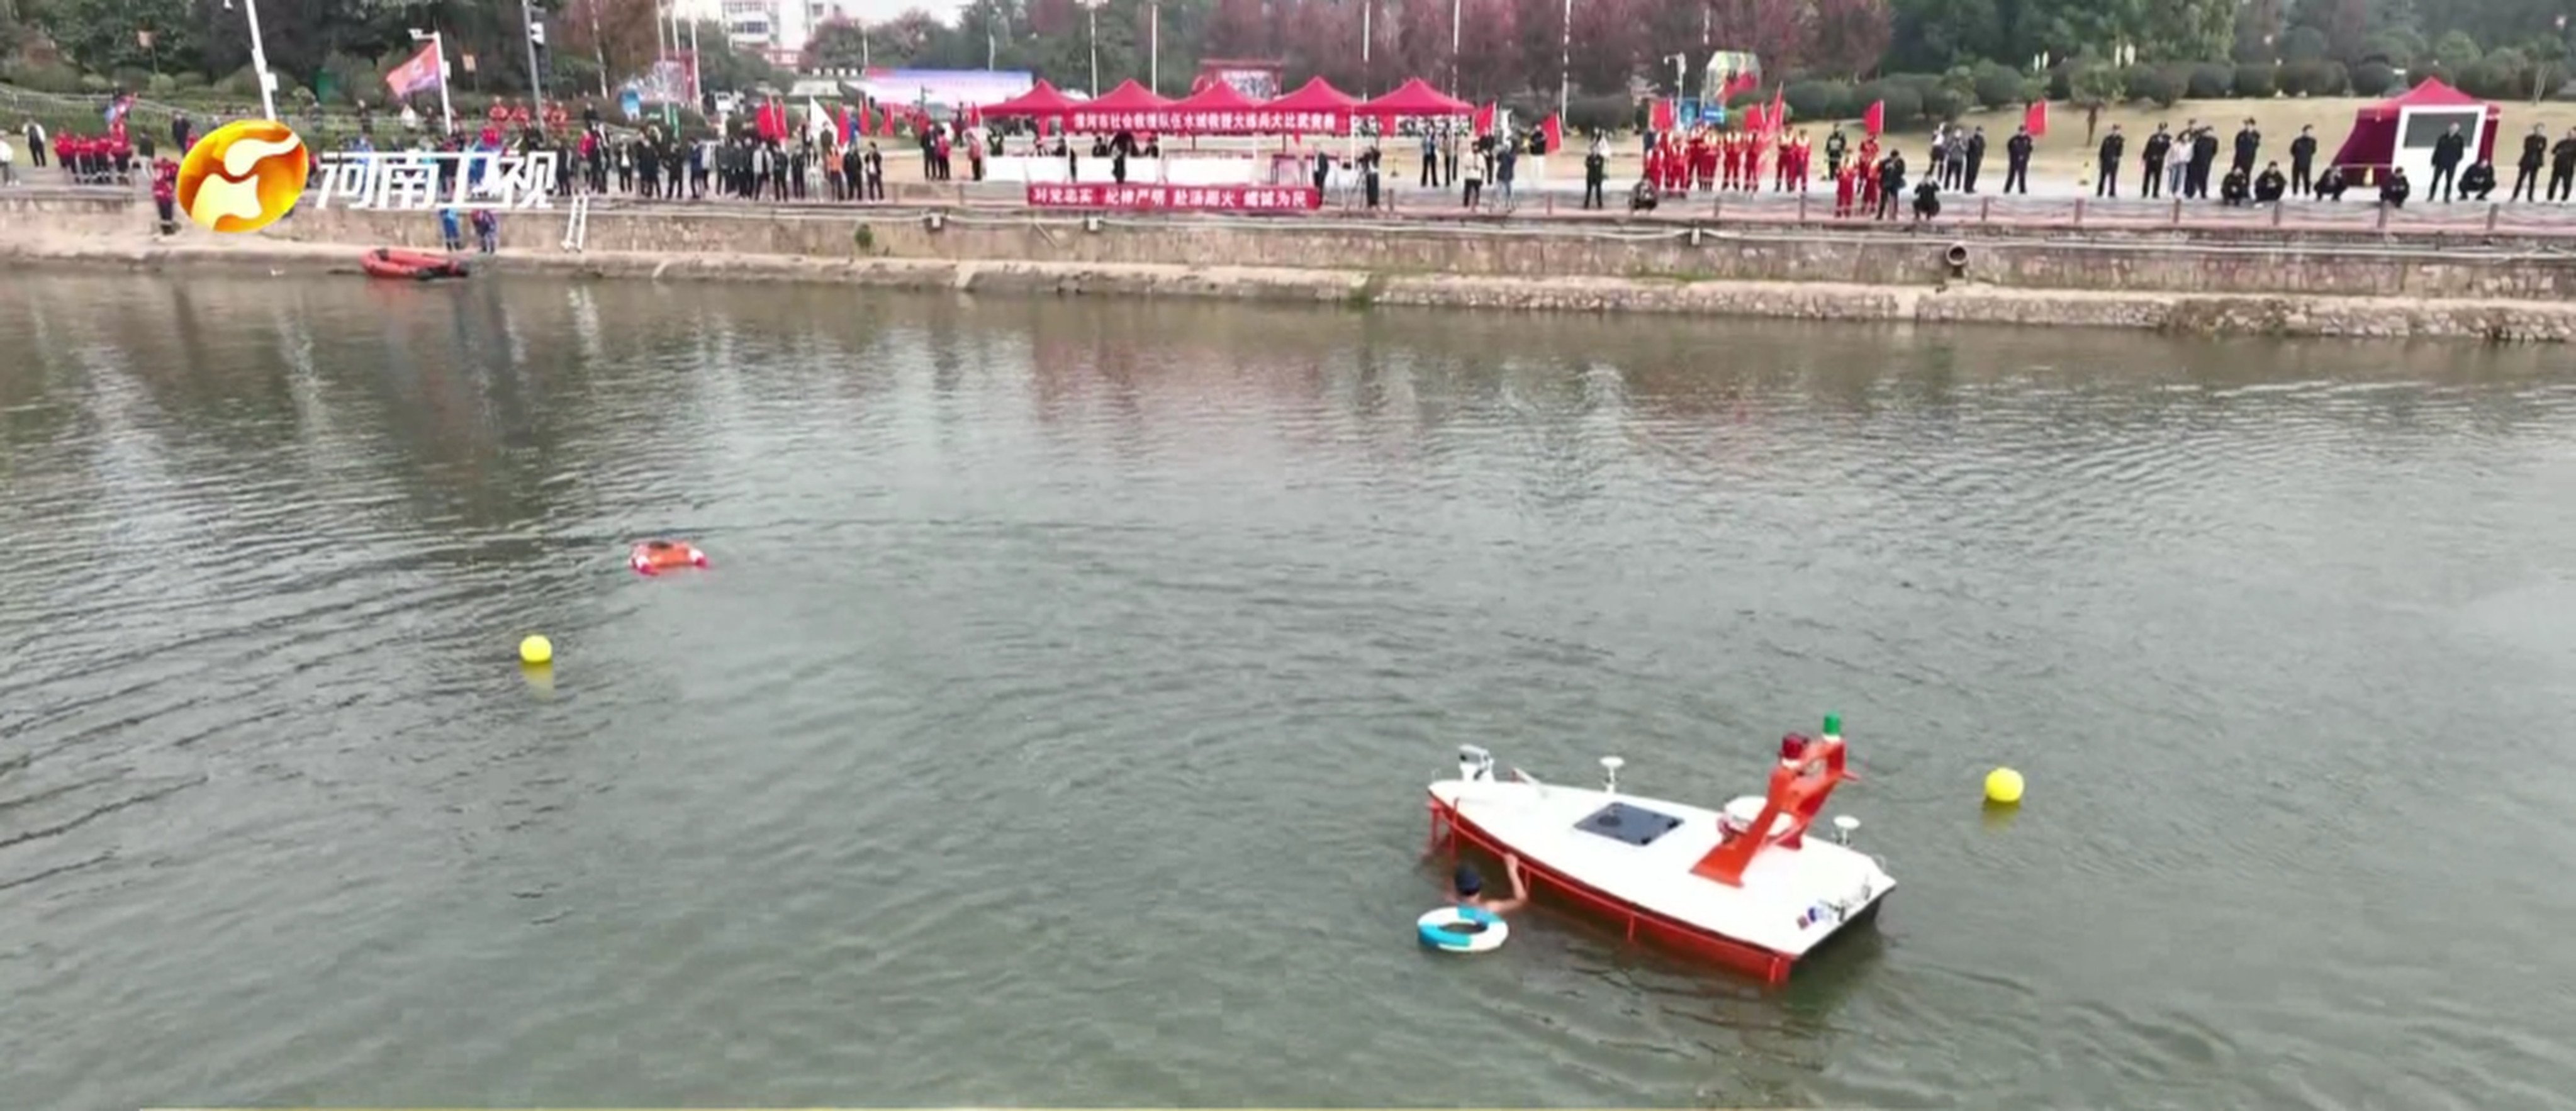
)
(2423, 129)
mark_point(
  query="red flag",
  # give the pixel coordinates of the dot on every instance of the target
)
(420, 73)
(866, 121)
(1484, 119)
(1874, 120)
(974, 116)
(1779, 114)
(1753, 120)
(2035, 118)
(888, 130)
(1661, 118)
(1554, 131)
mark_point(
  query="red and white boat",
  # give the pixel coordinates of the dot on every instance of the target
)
(1702, 880)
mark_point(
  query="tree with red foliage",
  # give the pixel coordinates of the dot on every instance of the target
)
(1851, 36)
(1422, 41)
(1241, 29)
(1777, 31)
(1609, 44)
(1489, 63)
(1321, 39)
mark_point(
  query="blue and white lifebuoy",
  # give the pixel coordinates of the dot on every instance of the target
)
(1457, 929)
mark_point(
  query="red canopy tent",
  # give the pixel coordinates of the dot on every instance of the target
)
(1317, 95)
(1042, 100)
(1415, 97)
(2401, 130)
(1129, 107)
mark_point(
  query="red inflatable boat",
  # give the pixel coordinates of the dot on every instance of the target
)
(386, 262)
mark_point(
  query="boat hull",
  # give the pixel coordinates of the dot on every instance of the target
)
(410, 265)
(1640, 923)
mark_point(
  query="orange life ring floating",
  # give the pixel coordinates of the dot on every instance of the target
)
(653, 557)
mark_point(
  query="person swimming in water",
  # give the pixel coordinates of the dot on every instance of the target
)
(1471, 888)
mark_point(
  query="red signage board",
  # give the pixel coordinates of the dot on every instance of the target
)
(1185, 121)
(1179, 198)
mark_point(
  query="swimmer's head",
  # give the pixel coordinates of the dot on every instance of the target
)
(658, 545)
(1468, 882)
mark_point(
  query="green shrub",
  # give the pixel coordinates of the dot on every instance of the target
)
(95, 83)
(2374, 79)
(2255, 81)
(240, 83)
(1999, 86)
(2312, 78)
(2456, 52)
(1904, 105)
(2501, 75)
(2156, 85)
(44, 77)
(2210, 81)
(1587, 114)
(2400, 49)
(1821, 100)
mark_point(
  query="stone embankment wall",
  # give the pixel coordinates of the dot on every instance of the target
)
(2239, 282)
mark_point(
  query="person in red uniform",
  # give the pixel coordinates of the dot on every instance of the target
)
(1654, 166)
(1802, 161)
(1843, 185)
(1869, 178)
(165, 193)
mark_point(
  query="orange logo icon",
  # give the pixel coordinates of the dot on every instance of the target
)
(243, 176)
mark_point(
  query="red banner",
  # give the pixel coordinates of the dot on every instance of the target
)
(1189, 121)
(1204, 198)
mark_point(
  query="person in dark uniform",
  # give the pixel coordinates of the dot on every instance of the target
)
(2303, 155)
(1596, 168)
(2269, 187)
(2526, 175)
(1891, 184)
(1927, 199)
(2562, 166)
(2329, 185)
(1835, 148)
(1368, 174)
(2108, 183)
(2235, 188)
(2478, 182)
(2249, 143)
(2204, 156)
(2017, 161)
(2394, 191)
(2447, 153)
(2152, 159)
(1976, 154)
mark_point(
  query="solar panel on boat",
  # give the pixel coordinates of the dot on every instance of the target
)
(1633, 824)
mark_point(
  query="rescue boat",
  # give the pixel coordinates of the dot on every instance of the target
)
(1747, 885)
(386, 262)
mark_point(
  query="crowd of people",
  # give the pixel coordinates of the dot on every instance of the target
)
(2180, 165)
(768, 163)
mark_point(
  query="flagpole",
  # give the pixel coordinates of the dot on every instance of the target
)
(1565, 60)
(438, 53)
(259, 63)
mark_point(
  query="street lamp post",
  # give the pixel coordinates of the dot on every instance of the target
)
(1093, 6)
(438, 47)
(1153, 50)
(536, 84)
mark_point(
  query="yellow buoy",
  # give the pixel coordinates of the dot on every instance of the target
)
(539, 650)
(2003, 786)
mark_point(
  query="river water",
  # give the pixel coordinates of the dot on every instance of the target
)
(1053, 724)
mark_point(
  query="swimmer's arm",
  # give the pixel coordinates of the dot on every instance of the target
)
(1520, 889)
